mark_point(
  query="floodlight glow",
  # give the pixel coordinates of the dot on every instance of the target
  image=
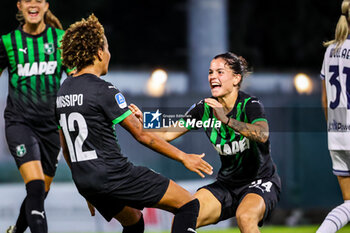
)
(156, 83)
(159, 76)
(303, 83)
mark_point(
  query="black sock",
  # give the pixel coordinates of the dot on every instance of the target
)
(138, 227)
(22, 224)
(34, 206)
(185, 219)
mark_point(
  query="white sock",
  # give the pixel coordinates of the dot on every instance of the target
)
(336, 219)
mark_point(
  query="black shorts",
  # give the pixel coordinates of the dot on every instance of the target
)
(142, 188)
(27, 144)
(231, 197)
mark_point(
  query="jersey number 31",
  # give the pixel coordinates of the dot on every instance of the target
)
(335, 82)
(76, 152)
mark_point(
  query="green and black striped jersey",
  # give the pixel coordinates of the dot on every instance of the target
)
(243, 160)
(35, 69)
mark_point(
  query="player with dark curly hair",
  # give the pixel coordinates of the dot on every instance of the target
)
(35, 68)
(87, 109)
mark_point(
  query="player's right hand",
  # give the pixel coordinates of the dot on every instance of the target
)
(91, 208)
(137, 112)
(195, 163)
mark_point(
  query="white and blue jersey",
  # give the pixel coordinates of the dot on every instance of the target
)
(336, 74)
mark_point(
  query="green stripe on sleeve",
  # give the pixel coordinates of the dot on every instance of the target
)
(19, 43)
(10, 53)
(13, 65)
(122, 117)
(258, 119)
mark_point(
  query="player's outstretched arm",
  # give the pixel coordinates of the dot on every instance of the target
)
(192, 162)
(168, 134)
(259, 131)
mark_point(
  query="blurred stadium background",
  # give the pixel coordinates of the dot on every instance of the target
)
(280, 39)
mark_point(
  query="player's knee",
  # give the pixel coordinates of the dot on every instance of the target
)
(246, 220)
(137, 227)
(203, 221)
(129, 216)
(203, 218)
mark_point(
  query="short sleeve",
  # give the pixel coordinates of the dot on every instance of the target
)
(193, 114)
(255, 111)
(327, 55)
(113, 103)
(3, 56)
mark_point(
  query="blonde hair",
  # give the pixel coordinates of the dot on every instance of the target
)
(81, 42)
(342, 29)
(49, 18)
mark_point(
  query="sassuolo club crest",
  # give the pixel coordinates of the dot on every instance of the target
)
(49, 48)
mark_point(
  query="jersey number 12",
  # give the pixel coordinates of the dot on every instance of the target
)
(76, 152)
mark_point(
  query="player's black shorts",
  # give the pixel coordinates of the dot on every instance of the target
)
(27, 144)
(231, 197)
(142, 188)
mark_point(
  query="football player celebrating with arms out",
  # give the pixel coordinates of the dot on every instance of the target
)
(247, 185)
(336, 103)
(87, 109)
(34, 65)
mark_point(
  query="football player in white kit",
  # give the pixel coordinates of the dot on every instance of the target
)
(335, 75)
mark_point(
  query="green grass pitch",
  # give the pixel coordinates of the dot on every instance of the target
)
(275, 229)
(270, 229)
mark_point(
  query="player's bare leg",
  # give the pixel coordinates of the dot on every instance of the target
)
(31, 171)
(249, 212)
(209, 208)
(131, 220)
(185, 207)
(344, 183)
(174, 198)
(48, 181)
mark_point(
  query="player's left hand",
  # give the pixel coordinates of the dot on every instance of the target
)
(195, 163)
(218, 109)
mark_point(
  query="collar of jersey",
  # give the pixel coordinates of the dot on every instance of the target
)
(30, 35)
